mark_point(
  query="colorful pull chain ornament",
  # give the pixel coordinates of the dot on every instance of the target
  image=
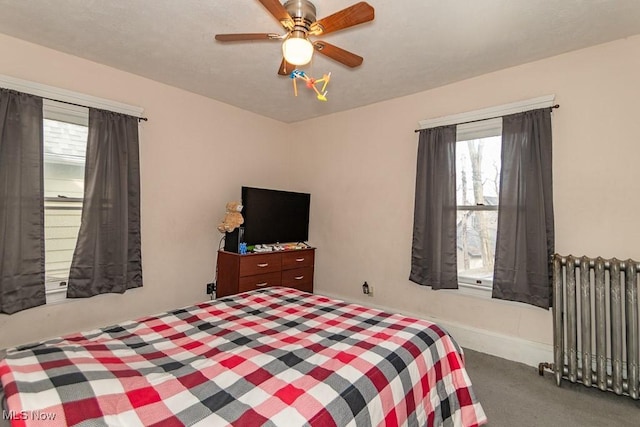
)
(310, 82)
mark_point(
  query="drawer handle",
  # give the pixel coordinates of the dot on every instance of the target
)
(299, 259)
(260, 285)
(298, 278)
(264, 264)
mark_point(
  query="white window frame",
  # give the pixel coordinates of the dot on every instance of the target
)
(469, 131)
(53, 110)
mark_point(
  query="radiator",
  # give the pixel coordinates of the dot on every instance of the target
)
(595, 323)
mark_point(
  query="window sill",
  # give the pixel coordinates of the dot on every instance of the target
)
(484, 292)
(468, 289)
(57, 295)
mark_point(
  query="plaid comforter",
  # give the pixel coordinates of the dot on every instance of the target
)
(274, 357)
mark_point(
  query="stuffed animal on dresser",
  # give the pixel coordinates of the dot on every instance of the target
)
(232, 218)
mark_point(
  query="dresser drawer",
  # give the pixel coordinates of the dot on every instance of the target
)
(297, 259)
(260, 264)
(299, 278)
(249, 283)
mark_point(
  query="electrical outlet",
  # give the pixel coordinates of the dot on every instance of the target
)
(211, 288)
(367, 289)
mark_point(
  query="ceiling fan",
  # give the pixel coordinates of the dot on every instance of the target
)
(298, 18)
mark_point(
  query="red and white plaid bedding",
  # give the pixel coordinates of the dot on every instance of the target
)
(274, 357)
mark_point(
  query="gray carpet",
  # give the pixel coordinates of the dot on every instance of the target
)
(513, 394)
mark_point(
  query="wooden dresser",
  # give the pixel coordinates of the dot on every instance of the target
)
(241, 273)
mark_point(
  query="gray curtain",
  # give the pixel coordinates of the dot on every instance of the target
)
(433, 253)
(107, 257)
(21, 202)
(525, 237)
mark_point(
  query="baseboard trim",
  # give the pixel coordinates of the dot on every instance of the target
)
(508, 347)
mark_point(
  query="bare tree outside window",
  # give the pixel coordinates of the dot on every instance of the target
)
(478, 172)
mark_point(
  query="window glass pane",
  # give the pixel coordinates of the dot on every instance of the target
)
(65, 147)
(477, 187)
(476, 240)
(61, 225)
(478, 171)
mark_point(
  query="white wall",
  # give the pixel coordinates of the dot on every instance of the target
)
(189, 169)
(360, 168)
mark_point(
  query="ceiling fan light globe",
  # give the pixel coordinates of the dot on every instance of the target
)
(297, 51)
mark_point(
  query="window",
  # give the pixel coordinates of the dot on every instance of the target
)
(65, 144)
(478, 147)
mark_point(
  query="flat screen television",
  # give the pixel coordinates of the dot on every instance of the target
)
(272, 216)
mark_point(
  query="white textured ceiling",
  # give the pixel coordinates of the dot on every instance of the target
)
(411, 46)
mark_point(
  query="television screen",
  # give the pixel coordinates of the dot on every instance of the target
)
(275, 216)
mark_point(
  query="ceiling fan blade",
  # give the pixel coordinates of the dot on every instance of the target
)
(247, 36)
(286, 68)
(337, 54)
(278, 11)
(352, 15)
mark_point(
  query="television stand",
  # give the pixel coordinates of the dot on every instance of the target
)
(241, 273)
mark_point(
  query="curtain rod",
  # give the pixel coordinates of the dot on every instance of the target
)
(85, 106)
(488, 118)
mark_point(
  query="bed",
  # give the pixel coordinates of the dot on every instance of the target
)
(274, 357)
